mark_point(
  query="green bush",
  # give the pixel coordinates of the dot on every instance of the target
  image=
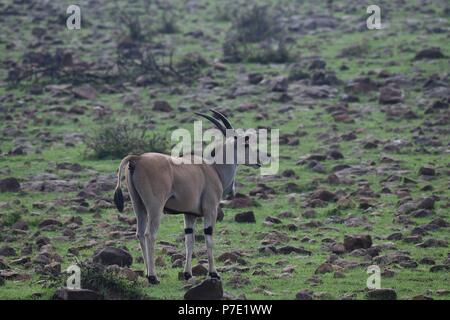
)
(272, 52)
(256, 35)
(297, 72)
(256, 24)
(118, 140)
(110, 285)
(10, 218)
(132, 27)
(226, 11)
(169, 23)
(191, 65)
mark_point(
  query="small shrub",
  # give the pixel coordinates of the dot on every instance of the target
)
(232, 50)
(118, 140)
(169, 23)
(270, 52)
(226, 11)
(256, 35)
(354, 51)
(49, 67)
(10, 218)
(143, 59)
(109, 284)
(297, 72)
(255, 25)
(131, 26)
(156, 65)
(191, 64)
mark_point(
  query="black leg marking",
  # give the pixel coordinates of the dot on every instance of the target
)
(214, 275)
(188, 231)
(152, 280)
(208, 231)
(187, 275)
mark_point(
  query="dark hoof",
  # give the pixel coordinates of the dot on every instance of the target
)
(152, 280)
(187, 275)
(214, 275)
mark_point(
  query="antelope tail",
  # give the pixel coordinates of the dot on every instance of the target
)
(118, 195)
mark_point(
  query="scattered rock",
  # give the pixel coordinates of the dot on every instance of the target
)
(76, 294)
(304, 294)
(42, 241)
(309, 214)
(421, 297)
(352, 242)
(427, 171)
(338, 248)
(390, 95)
(271, 219)
(324, 195)
(49, 222)
(432, 242)
(427, 260)
(395, 236)
(241, 201)
(440, 268)
(9, 185)
(111, 256)
(255, 78)
(324, 268)
(291, 249)
(429, 53)
(53, 269)
(209, 289)
(382, 294)
(129, 274)
(14, 275)
(443, 292)
(245, 217)
(162, 106)
(85, 91)
(199, 270)
(20, 225)
(7, 251)
(229, 256)
(279, 84)
(360, 84)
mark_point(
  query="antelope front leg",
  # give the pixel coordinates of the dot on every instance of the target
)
(189, 238)
(209, 224)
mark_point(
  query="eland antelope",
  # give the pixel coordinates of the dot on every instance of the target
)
(157, 184)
